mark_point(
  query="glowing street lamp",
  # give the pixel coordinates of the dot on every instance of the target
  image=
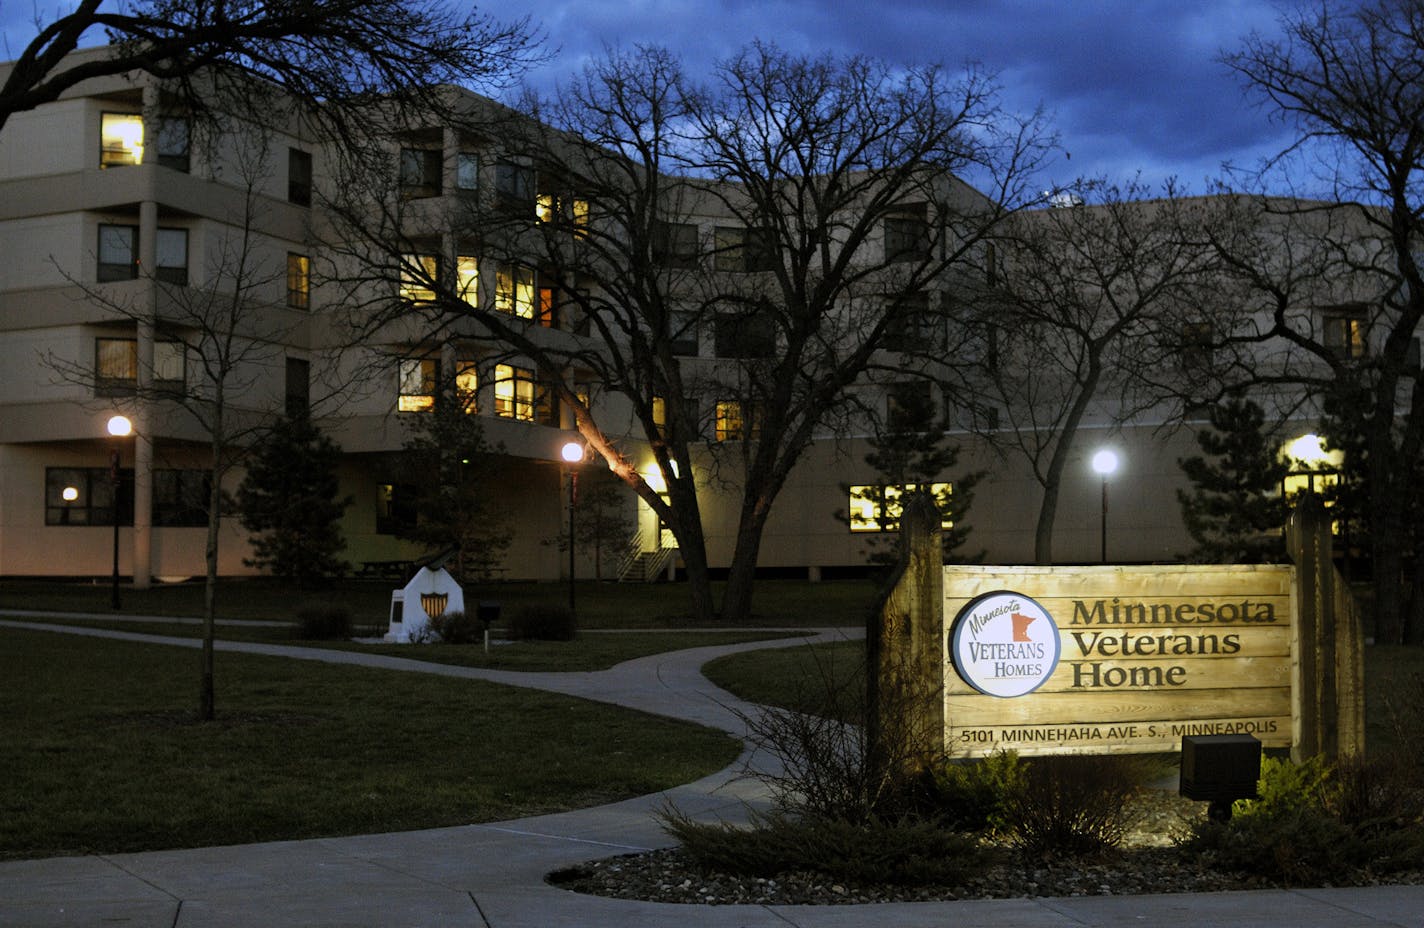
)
(1105, 463)
(119, 427)
(572, 452)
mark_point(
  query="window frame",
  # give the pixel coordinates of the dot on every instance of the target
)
(511, 281)
(299, 176)
(877, 507)
(298, 281)
(169, 273)
(112, 271)
(417, 384)
(420, 170)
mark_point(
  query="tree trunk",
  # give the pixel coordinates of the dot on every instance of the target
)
(1058, 462)
(206, 700)
(693, 546)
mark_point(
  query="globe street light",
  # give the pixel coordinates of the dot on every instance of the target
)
(572, 453)
(119, 427)
(1105, 463)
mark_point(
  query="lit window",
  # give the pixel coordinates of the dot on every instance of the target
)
(420, 172)
(417, 277)
(467, 278)
(514, 392)
(120, 139)
(548, 314)
(877, 508)
(659, 412)
(116, 366)
(570, 210)
(467, 385)
(118, 253)
(172, 256)
(514, 290)
(733, 422)
(1345, 330)
(298, 281)
(418, 377)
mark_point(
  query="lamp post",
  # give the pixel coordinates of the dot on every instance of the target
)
(119, 427)
(572, 453)
(1105, 465)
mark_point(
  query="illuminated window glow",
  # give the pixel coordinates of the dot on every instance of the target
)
(877, 508)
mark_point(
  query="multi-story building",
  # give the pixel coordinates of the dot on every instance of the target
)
(130, 231)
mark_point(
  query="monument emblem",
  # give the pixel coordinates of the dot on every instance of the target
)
(1004, 644)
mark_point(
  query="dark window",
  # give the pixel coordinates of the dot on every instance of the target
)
(514, 187)
(907, 236)
(741, 250)
(299, 177)
(745, 336)
(420, 172)
(395, 507)
(913, 326)
(85, 496)
(1194, 351)
(180, 497)
(909, 407)
(675, 245)
(682, 333)
(173, 144)
(297, 388)
(172, 256)
(467, 171)
(118, 253)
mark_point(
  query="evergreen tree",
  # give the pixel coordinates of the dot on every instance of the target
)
(451, 464)
(908, 458)
(288, 498)
(1235, 512)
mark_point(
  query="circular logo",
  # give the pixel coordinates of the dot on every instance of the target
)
(1004, 644)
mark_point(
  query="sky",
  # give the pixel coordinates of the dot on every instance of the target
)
(1133, 87)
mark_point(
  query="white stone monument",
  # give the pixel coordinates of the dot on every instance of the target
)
(430, 593)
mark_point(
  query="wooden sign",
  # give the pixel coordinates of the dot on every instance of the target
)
(1098, 660)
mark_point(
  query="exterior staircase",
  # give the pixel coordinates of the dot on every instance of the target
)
(639, 566)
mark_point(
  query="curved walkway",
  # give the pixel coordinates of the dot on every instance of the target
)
(492, 875)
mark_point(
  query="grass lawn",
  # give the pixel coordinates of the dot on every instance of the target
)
(589, 651)
(800, 678)
(101, 753)
(600, 605)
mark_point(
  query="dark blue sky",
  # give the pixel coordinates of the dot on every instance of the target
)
(1131, 85)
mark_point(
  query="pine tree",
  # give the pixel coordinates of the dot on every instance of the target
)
(451, 463)
(288, 498)
(909, 457)
(1235, 512)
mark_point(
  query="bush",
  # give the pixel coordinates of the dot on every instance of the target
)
(542, 623)
(971, 794)
(1070, 805)
(323, 623)
(458, 628)
(903, 851)
(1315, 824)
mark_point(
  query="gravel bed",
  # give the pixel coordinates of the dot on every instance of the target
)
(1147, 863)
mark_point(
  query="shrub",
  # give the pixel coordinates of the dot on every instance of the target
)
(1070, 805)
(971, 794)
(323, 623)
(901, 851)
(458, 627)
(542, 623)
(1316, 824)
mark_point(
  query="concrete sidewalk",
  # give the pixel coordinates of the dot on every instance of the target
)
(492, 876)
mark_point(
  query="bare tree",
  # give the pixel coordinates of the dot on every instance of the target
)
(736, 254)
(1349, 86)
(224, 341)
(319, 52)
(1091, 302)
